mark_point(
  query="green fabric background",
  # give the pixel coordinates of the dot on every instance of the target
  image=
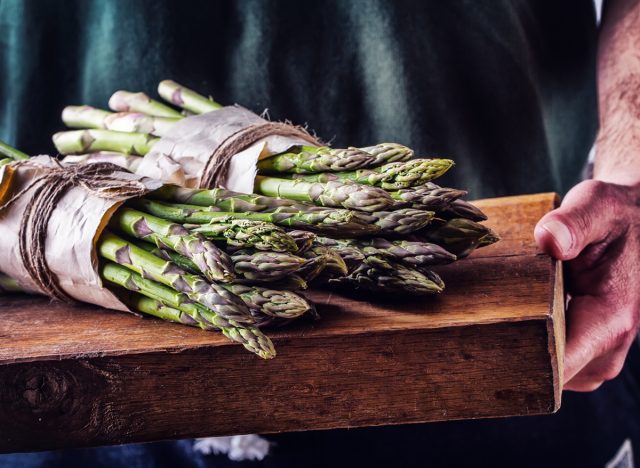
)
(506, 88)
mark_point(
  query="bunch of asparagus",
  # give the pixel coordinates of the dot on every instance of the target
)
(359, 218)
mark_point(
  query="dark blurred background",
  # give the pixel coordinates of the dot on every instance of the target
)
(506, 88)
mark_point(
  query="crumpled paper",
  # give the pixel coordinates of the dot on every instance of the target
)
(75, 225)
(182, 154)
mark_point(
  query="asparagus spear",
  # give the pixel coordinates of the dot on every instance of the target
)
(309, 159)
(185, 98)
(11, 152)
(388, 152)
(376, 276)
(463, 209)
(89, 141)
(84, 117)
(303, 239)
(146, 305)
(289, 283)
(334, 267)
(5, 161)
(135, 122)
(248, 264)
(125, 101)
(459, 236)
(246, 233)
(332, 194)
(428, 197)
(210, 295)
(327, 221)
(8, 285)
(391, 176)
(411, 254)
(214, 264)
(403, 221)
(207, 318)
(313, 267)
(229, 201)
(282, 304)
(266, 266)
(351, 256)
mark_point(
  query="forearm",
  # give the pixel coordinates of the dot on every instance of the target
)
(618, 144)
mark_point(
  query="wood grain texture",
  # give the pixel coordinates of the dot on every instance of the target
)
(490, 346)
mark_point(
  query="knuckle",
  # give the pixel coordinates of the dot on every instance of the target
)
(595, 189)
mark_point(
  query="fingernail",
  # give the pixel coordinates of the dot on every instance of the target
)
(561, 234)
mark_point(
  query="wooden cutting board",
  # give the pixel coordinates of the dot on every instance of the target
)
(491, 345)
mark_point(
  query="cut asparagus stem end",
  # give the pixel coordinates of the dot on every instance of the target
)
(186, 98)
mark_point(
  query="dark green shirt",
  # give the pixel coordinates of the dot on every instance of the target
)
(506, 88)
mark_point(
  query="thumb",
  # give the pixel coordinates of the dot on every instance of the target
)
(582, 219)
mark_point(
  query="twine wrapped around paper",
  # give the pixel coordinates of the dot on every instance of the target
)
(217, 167)
(97, 179)
(220, 149)
(48, 227)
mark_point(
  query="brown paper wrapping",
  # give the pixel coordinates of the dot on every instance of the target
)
(181, 155)
(75, 225)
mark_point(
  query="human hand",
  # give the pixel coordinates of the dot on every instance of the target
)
(597, 230)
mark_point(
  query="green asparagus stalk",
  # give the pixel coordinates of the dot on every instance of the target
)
(229, 201)
(211, 295)
(331, 194)
(462, 209)
(391, 176)
(125, 101)
(212, 262)
(403, 221)
(376, 277)
(5, 161)
(313, 267)
(410, 254)
(288, 283)
(248, 264)
(171, 255)
(428, 197)
(11, 152)
(459, 236)
(8, 285)
(334, 267)
(282, 304)
(352, 257)
(145, 305)
(266, 266)
(383, 153)
(246, 233)
(207, 318)
(185, 98)
(135, 122)
(310, 159)
(90, 141)
(84, 117)
(128, 122)
(328, 221)
(303, 239)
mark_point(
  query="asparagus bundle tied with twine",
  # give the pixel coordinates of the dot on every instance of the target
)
(365, 217)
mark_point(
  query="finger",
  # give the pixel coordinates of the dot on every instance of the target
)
(594, 329)
(602, 369)
(586, 216)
